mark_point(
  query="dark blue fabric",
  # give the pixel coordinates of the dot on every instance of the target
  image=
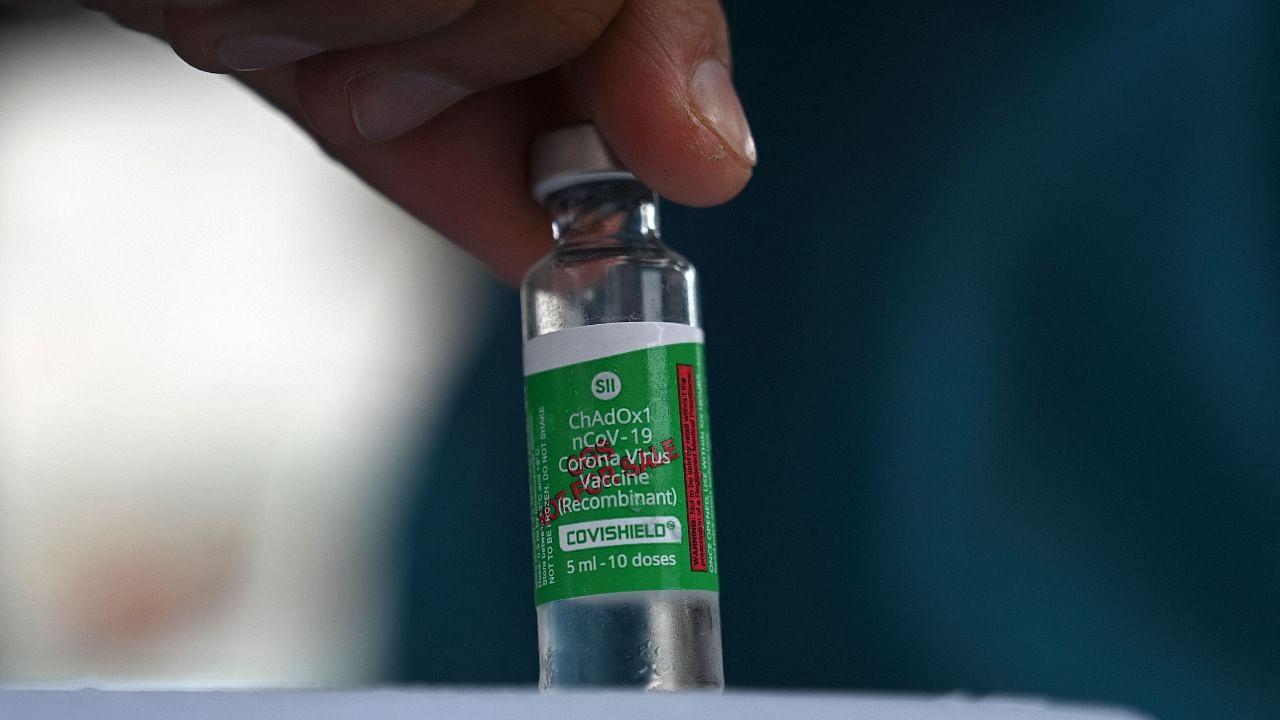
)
(994, 357)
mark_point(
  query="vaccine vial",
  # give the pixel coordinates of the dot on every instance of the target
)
(625, 567)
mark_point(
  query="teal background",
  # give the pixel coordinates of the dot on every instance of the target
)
(993, 343)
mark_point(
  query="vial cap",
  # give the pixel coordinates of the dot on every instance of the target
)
(571, 155)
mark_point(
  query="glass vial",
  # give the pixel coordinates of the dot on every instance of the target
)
(626, 575)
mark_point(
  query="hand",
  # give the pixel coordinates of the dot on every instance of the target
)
(434, 102)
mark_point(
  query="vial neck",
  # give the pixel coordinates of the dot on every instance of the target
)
(604, 213)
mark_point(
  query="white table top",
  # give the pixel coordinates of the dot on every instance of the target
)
(464, 704)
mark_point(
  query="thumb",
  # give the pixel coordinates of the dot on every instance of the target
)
(658, 86)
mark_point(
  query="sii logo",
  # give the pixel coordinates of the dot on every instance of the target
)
(606, 385)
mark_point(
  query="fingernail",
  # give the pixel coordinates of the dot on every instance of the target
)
(262, 52)
(387, 103)
(716, 102)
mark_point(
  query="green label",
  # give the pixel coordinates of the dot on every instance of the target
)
(620, 472)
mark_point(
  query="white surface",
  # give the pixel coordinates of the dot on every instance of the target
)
(526, 705)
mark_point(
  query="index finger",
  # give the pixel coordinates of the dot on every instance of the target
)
(464, 174)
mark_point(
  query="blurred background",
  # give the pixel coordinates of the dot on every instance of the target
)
(216, 350)
(994, 355)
